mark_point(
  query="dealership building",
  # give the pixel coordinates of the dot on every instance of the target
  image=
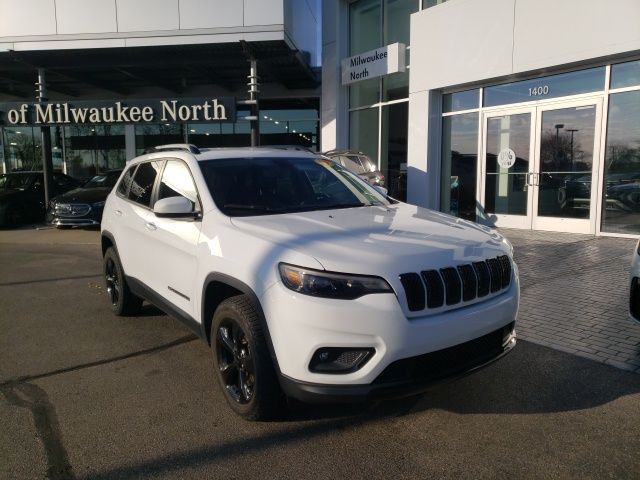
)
(514, 113)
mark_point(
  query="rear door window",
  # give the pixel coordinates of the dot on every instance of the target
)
(125, 183)
(142, 185)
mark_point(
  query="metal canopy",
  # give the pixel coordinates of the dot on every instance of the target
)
(175, 68)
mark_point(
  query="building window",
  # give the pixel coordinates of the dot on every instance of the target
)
(93, 149)
(621, 189)
(459, 165)
(379, 109)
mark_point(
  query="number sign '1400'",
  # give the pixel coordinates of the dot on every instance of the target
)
(537, 91)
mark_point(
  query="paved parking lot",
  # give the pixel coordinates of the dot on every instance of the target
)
(86, 395)
(575, 295)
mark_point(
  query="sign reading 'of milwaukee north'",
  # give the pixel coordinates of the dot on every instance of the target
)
(190, 110)
(375, 63)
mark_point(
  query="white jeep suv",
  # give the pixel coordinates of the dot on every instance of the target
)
(306, 281)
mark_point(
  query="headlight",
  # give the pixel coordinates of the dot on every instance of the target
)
(98, 204)
(509, 246)
(330, 285)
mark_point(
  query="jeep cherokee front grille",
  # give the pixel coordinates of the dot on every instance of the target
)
(453, 285)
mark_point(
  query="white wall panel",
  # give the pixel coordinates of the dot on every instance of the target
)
(86, 16)
(210, 13)
(461, 41)
(552, 32)
(147, 15)
(32, 17)
(264, 12)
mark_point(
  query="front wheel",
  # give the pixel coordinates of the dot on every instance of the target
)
(123, 302)
(242, 361)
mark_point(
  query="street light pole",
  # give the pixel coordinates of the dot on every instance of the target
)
(47, 158)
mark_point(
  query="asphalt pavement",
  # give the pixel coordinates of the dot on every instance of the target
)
(86, 395)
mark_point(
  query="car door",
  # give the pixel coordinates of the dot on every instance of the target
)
(172, 242)
(131, 215)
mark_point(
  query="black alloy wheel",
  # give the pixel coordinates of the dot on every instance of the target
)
(235, 361)
(123, 302)
(242, 361)
(113, 281)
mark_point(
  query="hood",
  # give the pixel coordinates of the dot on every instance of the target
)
(372, 240)
(84, 195)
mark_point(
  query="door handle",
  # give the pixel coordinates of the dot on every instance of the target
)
(150, 226)
(118, 212)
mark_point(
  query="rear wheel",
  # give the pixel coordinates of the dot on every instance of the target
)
(123, 302)
(242, 361)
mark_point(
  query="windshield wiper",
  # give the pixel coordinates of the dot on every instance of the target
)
(256, 208)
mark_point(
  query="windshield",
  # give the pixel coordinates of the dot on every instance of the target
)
(108, 180)
(263, 186)
(15, 181)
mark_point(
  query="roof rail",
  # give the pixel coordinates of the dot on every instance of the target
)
(299, 148)
(184, 147)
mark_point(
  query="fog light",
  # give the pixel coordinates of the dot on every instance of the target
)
(339, 360)
(508, 334)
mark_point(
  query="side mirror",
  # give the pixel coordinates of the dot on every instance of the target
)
(174, 207)
(381, 190)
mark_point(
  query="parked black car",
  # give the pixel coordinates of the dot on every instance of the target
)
(359, 163)
(22, 196)
(82, 206)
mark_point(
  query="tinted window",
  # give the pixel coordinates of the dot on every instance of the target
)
(105, 180)
(142, 185)
(176, 181)
(15, 181)
(260, 186)
(123, 188)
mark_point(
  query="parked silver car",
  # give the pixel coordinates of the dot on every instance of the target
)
(359, 163)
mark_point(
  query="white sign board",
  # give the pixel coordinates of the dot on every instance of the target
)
(506, 158)
(375, 63)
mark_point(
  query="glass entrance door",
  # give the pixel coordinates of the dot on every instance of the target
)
(565, 192)
(540, 165)
(508, 163)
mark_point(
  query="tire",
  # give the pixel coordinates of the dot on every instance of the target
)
(123, 302)
(242, 361)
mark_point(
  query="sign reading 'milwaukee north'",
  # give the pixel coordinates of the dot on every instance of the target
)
(375, 63)
(192, 110)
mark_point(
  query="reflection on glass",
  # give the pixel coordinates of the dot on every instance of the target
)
(561, 85)
(93, 149)
(22, 148)
(454, 102)
(459, 165)
(152, 135)
(566, 162)
(363, 132)
(507, 164)
(393, 158)
(621, 212)
(364, 35)
(625, 74)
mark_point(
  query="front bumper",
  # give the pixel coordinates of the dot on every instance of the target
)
(299, 325)
(413, 375)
